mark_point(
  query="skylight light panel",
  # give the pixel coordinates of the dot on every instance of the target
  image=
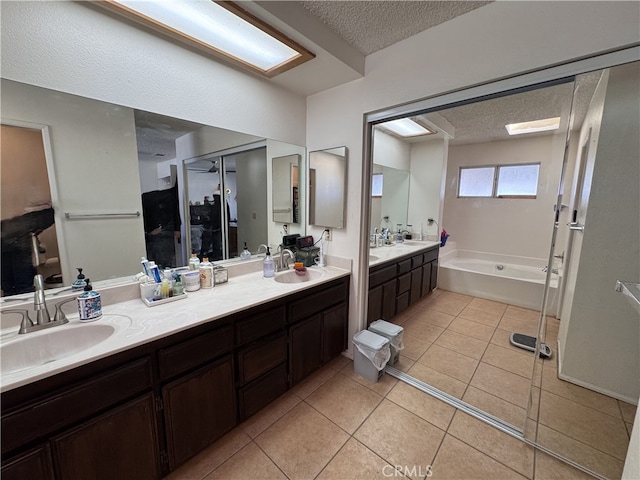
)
(534, 126)
(406, 127)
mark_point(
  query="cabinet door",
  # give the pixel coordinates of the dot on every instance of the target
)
(35, 464)
(426, 279)
(334, 332)
(305, 344)
(374, 310)
(388, 300)
(416, 285)
(199, 409)
(434, 274)
(121, 444)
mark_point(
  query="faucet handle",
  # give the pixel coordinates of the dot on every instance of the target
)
(26, 321)
(59, 315)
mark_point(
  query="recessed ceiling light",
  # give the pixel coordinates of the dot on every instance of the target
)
(221, 28)
(533, 126)
(406, 127)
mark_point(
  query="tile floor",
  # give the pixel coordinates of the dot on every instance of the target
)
(338, 425)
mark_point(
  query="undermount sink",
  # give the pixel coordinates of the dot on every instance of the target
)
(291, 276)
(35, 349)
(373, 258)
(413, 243)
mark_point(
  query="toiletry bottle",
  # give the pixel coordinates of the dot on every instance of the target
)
(194, 262)
(206, 274)
(155, 272)
(145, 267)
(245, 254)
(268, 267)
(165, 286)
(89, 304)
(80, 282)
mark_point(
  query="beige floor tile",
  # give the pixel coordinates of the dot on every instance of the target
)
(509, 386)
(449, 362)
(496, 406)
(302, 442)
(314, 381)
(583, 396)
(399, 436)
(520, 363)
(404, 363)
(456, 460)
(266, 417)
(518, 326)
(593, 459)
(438, 380)
(598, 430)
(550, 468)
(422, 330)
(344, 401)
(501, 338)
(472, 329)
(381, 387)
(453, 296)
(211, 457)
(525, 314)
(504, 448)
(486, 318)
(339, 362)
(463, 344)
(433, 317)
(447, 305)
(422, 404)
(249, 463)
(414, 347)
(629, 428)
(628, 411)
(489, 306)
(354, 462)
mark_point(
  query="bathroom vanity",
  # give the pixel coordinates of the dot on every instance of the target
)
(399, 276)
(142, 411)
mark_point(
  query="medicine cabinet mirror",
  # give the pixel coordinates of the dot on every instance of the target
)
(328, 187)
(285, 191)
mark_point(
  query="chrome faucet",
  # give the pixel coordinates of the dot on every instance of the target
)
(43, 319)
(283, 264)
(262, 247)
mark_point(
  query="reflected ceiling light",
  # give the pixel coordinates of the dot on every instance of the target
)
(406, 127)
(534, 126)
(221, 28)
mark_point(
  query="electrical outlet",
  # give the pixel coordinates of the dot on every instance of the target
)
(327, 234)
(429, 221)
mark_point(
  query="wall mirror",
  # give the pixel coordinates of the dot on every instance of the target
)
(107, 163)
(285, 191)
(328, 187)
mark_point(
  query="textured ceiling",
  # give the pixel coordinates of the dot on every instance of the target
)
(370, 26)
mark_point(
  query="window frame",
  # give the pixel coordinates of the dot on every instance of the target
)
(496, 177)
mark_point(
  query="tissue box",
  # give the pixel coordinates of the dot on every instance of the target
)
(307, 255)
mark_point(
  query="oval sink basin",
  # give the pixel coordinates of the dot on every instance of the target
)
(412, 243)
(35, 349)
(373, 258)
(291, 276)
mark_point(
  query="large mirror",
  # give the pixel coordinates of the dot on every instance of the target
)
(123, 177)
(286, 189)
(328, 187)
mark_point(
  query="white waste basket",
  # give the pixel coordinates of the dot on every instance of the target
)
(394, 333)
(370, 355)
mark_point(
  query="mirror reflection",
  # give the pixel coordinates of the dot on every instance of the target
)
(327, 187)
(286, 189)
(122, 176)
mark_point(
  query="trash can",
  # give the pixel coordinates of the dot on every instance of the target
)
(370, 355)
(394, 333)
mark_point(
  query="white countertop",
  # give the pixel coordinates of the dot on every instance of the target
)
(137, 324)
(383, 254)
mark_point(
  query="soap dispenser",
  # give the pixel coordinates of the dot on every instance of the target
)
(80, 282)
(268, 267)
(245, 254)
(89, 304)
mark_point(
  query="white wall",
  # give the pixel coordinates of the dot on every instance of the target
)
(598, 318)
(390, 151)
(96, 171)
(508, 226)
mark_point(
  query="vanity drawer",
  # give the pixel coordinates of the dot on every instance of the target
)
(317, 302)
(416, 261)
(383, 275)
(262, 391)
(260, 325)
(75, 404)
(192, 353)
(258, 359)
(404, 283)
(431, 255)
(404, 266)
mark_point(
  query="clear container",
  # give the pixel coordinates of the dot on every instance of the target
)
(220, 275)
(206, 273)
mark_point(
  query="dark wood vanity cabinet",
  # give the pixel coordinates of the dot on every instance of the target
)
(399, 283)
(143, 412)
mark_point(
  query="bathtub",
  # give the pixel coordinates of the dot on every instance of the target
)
(504, 278)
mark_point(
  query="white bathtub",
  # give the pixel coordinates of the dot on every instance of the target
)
(504, 278)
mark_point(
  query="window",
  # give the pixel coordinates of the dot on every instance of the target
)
(499, 181)
(376, 185)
